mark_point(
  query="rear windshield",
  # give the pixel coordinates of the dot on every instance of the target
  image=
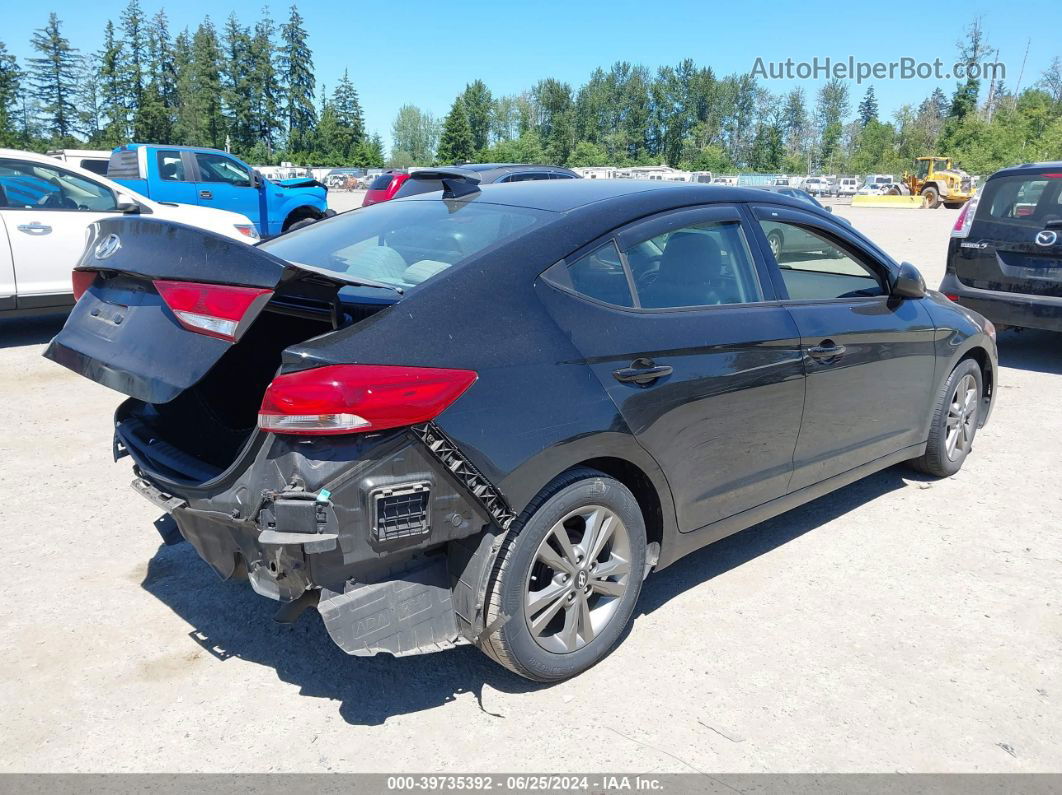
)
(381, 182)
(403, 243)
(1026, 200)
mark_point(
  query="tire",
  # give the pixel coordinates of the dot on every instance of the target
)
(300, 224)
(774, 240)
(558, 647)
(953, 205)
(942, 459)
(930, 198)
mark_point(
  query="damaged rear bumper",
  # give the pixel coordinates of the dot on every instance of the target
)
(361, 527)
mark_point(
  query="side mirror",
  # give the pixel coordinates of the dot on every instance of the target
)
(909, 282)
(828, 208)
(126, 204)
(256, 179)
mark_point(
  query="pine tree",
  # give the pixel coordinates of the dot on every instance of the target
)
(478, 104)
(296, 68)
(10, 80)
(160, 52)
(266, 123)
(135, 37)
(113, 110)
(88, 103)
(236, 76)
(349, 118)
(868, 107)
(54, 79)
(455, 143)
(199, 120)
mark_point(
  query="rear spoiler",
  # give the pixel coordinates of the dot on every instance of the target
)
(457, 182)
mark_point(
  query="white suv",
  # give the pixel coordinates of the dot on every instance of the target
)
(46, 206)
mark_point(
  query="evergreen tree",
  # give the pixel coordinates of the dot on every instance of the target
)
(868, 107)
(972, 51)
(265, 85)
(160, 52)
(53, 77)
(88, 103)
(831, 109)
(135, 37)
(236, 74)
(296, 68)
(478, 103)
(455, 143)
(154, 117)
(113, 110)
(200, 121)
(349, 119)
(10, 80)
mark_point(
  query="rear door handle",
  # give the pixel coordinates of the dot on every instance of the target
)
(205, 194)
(642, 372)
(826, 351)
(35, 228)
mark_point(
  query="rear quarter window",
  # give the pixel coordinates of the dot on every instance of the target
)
(381, 182)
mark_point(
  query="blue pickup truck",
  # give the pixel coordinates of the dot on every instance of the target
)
(212, 178)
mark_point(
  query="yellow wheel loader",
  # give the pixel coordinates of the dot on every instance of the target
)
(937, 182)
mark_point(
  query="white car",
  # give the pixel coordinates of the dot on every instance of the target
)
(817, 186)
(876, 184)
(46, 207)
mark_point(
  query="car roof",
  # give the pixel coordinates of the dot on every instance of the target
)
(1028, 168)
(567, 195)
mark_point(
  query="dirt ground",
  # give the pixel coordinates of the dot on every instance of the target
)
(900, 624)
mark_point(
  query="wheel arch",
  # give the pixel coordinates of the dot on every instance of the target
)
(988, 375)
(299, 213)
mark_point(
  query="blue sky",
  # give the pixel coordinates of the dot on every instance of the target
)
(425, 52)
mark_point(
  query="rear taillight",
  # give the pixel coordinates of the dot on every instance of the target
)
(81, 281)
(965, 219)
(348, 398)
(952, 297)
(212, 309)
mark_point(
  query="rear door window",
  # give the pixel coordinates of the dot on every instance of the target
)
(171, 166)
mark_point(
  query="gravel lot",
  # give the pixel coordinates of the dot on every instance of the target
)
(900, 624)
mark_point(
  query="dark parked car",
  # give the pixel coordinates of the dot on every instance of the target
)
(486, 174)
(485, 416)
(1005, 254)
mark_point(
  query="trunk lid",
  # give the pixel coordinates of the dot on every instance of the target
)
(1015, 241)
(122, 334)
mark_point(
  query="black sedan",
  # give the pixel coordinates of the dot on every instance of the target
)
(484, 416)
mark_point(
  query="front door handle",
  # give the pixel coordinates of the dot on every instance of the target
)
(642, 372)
(205, 194)
(35, 228)
(826, 351)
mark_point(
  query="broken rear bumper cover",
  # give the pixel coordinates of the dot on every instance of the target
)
(382, 533)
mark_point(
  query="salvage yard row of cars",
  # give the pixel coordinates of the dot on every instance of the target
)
(484, 413)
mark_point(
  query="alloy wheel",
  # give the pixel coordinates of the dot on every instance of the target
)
(578, 578)
(961, 422)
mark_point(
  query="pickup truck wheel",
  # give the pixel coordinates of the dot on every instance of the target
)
(301, 224)
(567, 577)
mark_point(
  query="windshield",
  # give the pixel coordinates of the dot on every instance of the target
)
(403, 243)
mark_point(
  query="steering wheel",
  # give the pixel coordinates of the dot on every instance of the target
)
(56, 201)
